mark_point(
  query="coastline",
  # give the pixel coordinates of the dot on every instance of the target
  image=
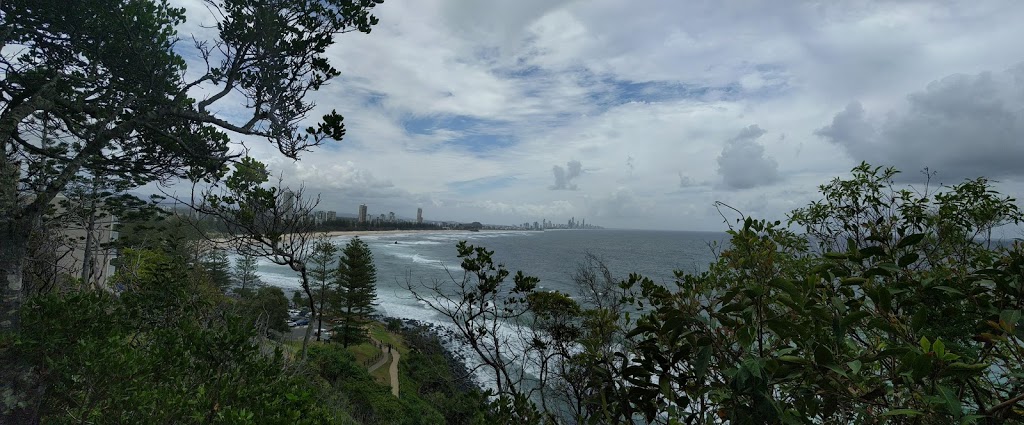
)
(334, 233)
(432, 337)
(222, 242)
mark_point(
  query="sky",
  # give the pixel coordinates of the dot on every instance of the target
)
(641, 115)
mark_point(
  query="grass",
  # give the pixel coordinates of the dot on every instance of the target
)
(378, 331)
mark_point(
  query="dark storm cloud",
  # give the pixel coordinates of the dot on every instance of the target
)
(961, 126)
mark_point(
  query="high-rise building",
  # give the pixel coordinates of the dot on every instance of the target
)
(332, 215)
(83, 243)
(287, 202)
(391, 216)
(362, 214)
(419, 215)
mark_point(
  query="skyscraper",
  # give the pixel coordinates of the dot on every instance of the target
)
(287, 203)
(419, 215)
(362, 214)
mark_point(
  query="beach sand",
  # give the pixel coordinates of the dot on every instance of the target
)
(386, 232)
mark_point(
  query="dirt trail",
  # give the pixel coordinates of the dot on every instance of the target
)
(394, 373)
(383, 359)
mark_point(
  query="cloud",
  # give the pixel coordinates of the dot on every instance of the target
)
(564, 178)
(464, 107)
(622, 203)
(961, 126)
(743, 164)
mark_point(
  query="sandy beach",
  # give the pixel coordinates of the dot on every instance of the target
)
(385, 232)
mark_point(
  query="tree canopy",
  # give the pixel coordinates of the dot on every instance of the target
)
(355, 289)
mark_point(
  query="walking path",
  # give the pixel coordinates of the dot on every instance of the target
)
(387, 354)
(394, 373)
(383, 359)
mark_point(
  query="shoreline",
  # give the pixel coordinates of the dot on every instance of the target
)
(334, 233)
(223, 242)
(443, 339)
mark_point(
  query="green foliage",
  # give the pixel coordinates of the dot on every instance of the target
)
(908, 312)
(267, 309)
(356, 290)
(365, 399)
(161, 352)
(244, 274)
(218, 266)
(322, 274)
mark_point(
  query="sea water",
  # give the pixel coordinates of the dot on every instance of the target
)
(426, 258)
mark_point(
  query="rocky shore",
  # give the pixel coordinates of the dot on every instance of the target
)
(430, 338)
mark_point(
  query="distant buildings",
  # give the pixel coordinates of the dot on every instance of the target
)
(362, 214)
(419, 215)
(80, 244)
(391, 217)
(287, 202)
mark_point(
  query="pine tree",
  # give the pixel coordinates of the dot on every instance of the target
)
(356, 288)
(245, 273)
(322, 276)
(217, 265)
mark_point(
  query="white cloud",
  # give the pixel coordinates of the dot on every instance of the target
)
(501, 94)
(743, 163)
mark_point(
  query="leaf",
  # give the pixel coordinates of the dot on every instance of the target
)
(952, 401)
(899, 412)
(836, 256)
(926, 345)
(855, 366)
(948, 289)
(854, 317)
(835, 368)
(701, 365)
(939, 348)
(793, 359)
(909, 240)
(853, 281)
(908, 259)
(872, 251)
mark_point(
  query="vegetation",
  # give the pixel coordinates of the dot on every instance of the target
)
(323, 276)
(244, 273)
(906, 309)
(92, 94)
(889, 304)
(356, 290)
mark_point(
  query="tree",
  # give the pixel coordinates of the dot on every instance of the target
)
(218, 266)
(267, 309)
(356, 286)
(270, 222)
(484, 307)
(103, 78)
(297, 299)
(244, 273)
(906, 311)
(322, 275)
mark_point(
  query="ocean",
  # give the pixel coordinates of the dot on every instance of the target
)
(552, 256)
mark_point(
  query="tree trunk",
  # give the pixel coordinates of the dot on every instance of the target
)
(20, 388)
(320, 315)
(312, 310)
(13, 243)
(90, 227)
